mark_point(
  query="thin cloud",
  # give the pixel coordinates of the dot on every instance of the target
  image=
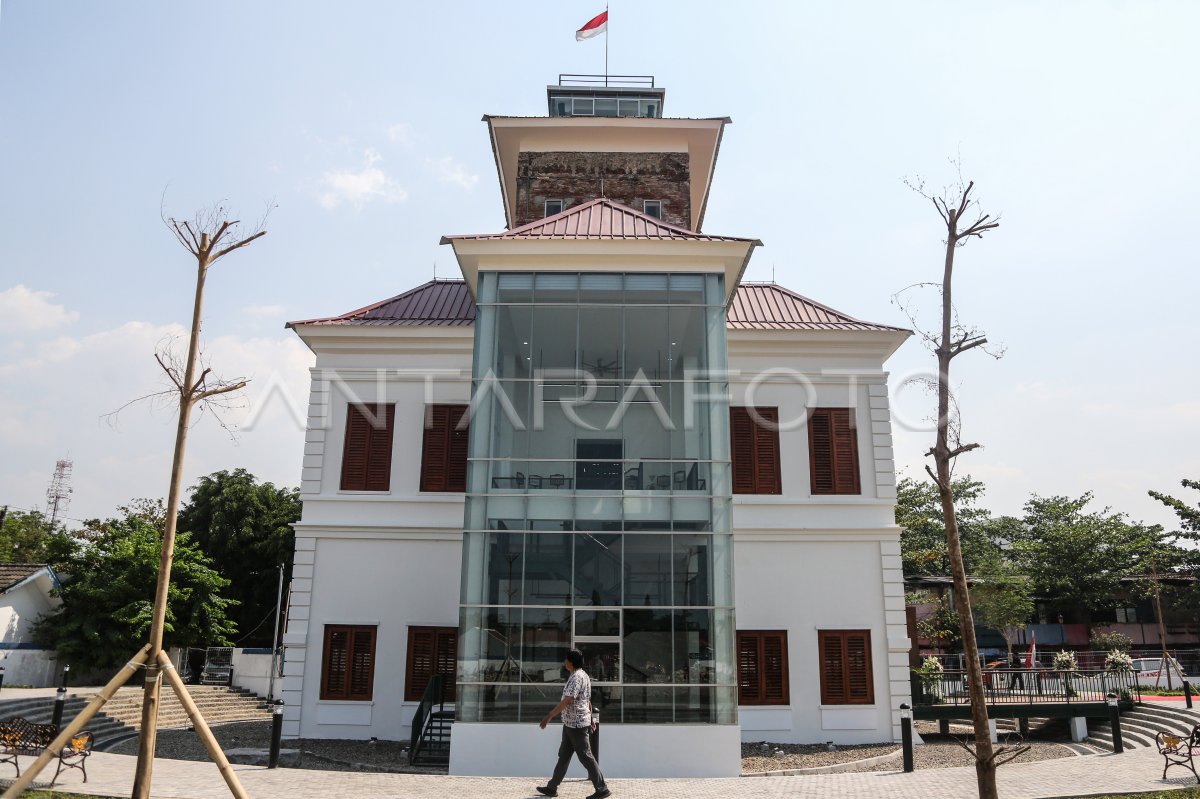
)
(264, 310)
(448, 170)
(401, 133)
(357, 188)
(22, 309)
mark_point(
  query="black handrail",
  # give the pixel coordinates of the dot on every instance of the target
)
(1027, 686)
(566, 79)
(434, 694)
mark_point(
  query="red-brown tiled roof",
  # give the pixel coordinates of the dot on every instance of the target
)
(755, 306)
(13, 573)
(444, 303)
(769, 306)
(599, 219)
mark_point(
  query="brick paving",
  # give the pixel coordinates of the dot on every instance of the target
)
(1138, 770)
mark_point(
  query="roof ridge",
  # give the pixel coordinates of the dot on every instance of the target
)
(810, 301)
(368, 308)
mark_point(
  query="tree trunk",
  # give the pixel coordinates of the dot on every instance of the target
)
(985, 765)
(150, 698)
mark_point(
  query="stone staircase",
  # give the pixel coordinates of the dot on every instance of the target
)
(121, 717)
(1140, 725)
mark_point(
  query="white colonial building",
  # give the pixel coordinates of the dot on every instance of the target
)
(599, 438)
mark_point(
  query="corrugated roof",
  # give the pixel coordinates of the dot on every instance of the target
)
(448, 303)
(13, 573)
(769, 306)
(599, 219)
(438, 303)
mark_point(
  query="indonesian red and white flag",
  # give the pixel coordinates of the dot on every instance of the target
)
(595, 26)
(1032, 654)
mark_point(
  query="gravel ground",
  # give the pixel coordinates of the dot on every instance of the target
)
(339, 755)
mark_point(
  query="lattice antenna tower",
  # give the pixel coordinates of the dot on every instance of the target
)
(58, 495)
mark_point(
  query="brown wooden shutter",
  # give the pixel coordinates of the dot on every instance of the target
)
(431, 650)
(762, 666)
(766, 453)
(367, 452)
(775, 668)
(833, 451)
(749, 677)
(348, 666)
(754, 451)
(444, 449)
(846, 675)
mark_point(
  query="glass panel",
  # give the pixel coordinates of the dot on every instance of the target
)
(497, 639)
(606, 107)
(695, 657)
(498, 702)
(628, 108)
(597, 622)
(601, 660)
(584, 106)
(647, 705)
(600, 342)
(553, 343)
(545, 640)
(598, 464)
(641, 289)
(607, 701)
(601, 288)
(538, 700)
(646, 343)
(647, 569)
(547, 570)
(692, 573)
(687, 340)
(687, 289)
(466, 704)
(506, 406)
(597, 569)
(724, 646)
(502, 579)
(556, 287)
(696, 705)
(647, 642)
(561, 106)
(514, 287)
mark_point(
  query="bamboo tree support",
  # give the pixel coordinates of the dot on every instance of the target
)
(167, 668)
(76, 725)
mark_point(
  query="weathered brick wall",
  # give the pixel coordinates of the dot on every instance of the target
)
(627, 178)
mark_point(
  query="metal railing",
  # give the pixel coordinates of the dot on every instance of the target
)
(646, 81)
(434, 695)
(1026, 686)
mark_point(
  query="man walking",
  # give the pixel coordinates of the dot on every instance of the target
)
(576, 710)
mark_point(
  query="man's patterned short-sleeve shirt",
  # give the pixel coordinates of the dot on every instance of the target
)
(579, 688)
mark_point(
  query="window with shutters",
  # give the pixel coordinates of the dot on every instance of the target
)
(431, 650)
(846, 667)
(754, 449)
(348, 667)
(444, 451)
(367, 453)
(762, 667)
(833, 451)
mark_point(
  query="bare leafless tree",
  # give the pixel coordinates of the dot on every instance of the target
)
(208, 237)
(964, 221)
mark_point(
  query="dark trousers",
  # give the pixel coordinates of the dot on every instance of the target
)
(575, 741)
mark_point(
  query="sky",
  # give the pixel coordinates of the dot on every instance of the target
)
(358, 125)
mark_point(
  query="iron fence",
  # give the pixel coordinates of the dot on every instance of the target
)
(1027, 686)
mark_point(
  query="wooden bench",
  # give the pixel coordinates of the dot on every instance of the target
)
(21, 737)
(1179, 751)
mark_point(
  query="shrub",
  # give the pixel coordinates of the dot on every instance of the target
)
(1065, 661)
(1118, 662)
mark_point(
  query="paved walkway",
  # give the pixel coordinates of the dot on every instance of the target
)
(1137, 770)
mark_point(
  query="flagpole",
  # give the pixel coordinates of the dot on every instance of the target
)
(607, 22)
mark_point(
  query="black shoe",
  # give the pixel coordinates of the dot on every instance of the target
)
(601, 794)
(546, 790)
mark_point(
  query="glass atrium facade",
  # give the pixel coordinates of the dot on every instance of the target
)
(598, 499)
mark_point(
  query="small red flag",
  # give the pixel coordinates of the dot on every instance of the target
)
(595, 26)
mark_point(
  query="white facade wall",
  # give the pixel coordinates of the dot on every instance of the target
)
(20, 607)
(393, 559)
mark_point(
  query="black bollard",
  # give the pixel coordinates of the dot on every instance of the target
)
(276, 734)
(906, 736)
(59, 703)
(1, 676)
(1187, 691)
(1114, 717)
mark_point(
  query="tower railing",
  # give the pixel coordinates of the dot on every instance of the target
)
(640, 81)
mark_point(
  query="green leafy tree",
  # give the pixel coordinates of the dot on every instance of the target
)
(942, 626)
(1110, 641)
(923, 535)
(107, 598)
(1002, 600)
(1189, 517)
(1076, 558)
(26, 537)
(245, 527)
